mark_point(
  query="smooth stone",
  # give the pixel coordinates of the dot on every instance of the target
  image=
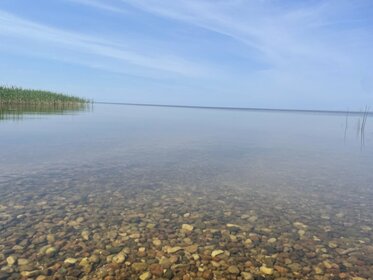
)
(157, 242)
(301, 232)
(51, 238)
(135, 236)
(232, 226)
(85, 234)
(247, 275)
(332, 245)
(11, 260)
(23, 261)
(248, 241)
(216, 253)
(120, 258)
(51, 251)
(30, 273)
(192, 248)
(145, 276)
(70, 261)
(266, 270)
(187, 227)
(233, 269)
(174, 249)
(327, 264)
(272, 240)
(299, 225)
(165, 262)
(195, 257)
(318, 270)
(84, 262)
(208, 275)
(156, 269)
(139, 266)
(26, 267)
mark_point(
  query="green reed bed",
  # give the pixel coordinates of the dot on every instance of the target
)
(14, 95)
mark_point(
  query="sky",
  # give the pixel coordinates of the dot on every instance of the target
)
(245, 53)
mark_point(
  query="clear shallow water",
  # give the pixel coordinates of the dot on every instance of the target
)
(105, 193)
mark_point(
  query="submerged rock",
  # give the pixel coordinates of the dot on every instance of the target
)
(187, 227)
(216, 253)
(233, 269)
(11, 260)
(266, 270)
(145, 276)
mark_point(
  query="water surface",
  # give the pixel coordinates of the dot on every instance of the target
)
(127, 191)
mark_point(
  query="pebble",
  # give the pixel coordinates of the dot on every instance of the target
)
(11, 260)
(266, 270)
(70, 261)
(145, 276)
(85, 234)
(156, 269)
(187, 227)
(207, 274)
(30, 273)
(51, 251)
(172, 250)
(120, 258)
(247, 275)
(248, 241)
(139, 266)
(192, 248)
(23, 261)
(216, 253)
(233, 269)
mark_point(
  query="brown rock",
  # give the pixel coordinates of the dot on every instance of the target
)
(156, 269)
(208, 275)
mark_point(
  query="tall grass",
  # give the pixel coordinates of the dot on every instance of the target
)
(15, 95)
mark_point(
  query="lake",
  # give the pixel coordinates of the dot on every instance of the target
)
(122, 192)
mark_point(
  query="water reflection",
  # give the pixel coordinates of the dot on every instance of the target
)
(18, 112)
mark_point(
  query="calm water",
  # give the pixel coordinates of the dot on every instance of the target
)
(124, 192)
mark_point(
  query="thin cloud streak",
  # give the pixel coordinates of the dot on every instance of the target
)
(13, 26)
(99, 5)
(277, 34)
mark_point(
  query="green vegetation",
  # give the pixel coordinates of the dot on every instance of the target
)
(14, 95)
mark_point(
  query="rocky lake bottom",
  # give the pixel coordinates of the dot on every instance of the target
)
(146, 226)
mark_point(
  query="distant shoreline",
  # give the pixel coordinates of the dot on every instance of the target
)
(339, 112)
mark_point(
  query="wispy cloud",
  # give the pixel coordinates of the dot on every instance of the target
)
(278, 32)
(100, 5)
(28, 31)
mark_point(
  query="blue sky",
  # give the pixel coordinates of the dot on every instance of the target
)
(264, 53)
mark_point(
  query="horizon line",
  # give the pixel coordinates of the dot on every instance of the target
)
(366, 111)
